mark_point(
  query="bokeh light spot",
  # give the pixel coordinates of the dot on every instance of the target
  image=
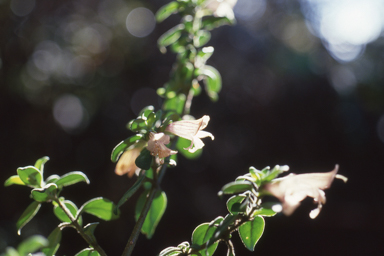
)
(249, 9)
(69, 112)
(21, 7)
(140, 22)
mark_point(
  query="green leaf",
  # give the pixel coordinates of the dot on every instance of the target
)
(156, 211)
(234, 204)
(27, 215)
(266, 209)
(175, 104)
(222, 230)
(15, 179)
(171, 251)
(100, 207)
(251, 231)
(144, 113)
(62, 216)
(52, 179)
(54, 240)
(201, 38)
(182, 143)
(212, 80)
(170, 36)
(40, 163)
(137, 125)
(32, 244)
(213, 22)
(201, 235)
(236, 187)
(132, 190)
(144, 160)
(30, 175)
(10, 251)
(166, 11)
(276, 171)
(44, 194)
(122, 146)
(72, 178)
(88, 252)
(89, 229)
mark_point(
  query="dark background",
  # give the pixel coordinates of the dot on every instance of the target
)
(279, 105)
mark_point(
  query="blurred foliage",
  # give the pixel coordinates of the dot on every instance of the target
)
(284, 99)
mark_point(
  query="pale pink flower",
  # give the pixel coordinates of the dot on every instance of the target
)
(156, 145)
(126, 163)
(294, 188)
(191, 130)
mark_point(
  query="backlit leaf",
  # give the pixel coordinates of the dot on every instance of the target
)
(32, 244)
(72, 178)
(13, 180)
(101, 207)
(122, 146)
(251, 231)
(54, 240)
(27, 215)
(30, 175)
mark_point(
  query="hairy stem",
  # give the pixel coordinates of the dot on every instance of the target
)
(90, 240)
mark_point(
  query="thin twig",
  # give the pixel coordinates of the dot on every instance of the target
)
(90, 240)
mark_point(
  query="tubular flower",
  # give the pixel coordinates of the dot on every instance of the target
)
(126, 163)
(191, 130)
(156, 145)
(292, 189)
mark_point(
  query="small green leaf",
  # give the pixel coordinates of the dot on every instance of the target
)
(276, 171)
(122, 146)
(89, 229)
(212, 80)
(266, 209)
(201, 38)
(72, 178)
(170, 36)
(30, 175)
(155, 213)
(52, 179)
(62, 216)
(54, 240)
(222, 230)
(10, 251)
(13, 180)
(166, 11)
(88, 252)
(171, 251)
(201, 235)
(175, 104)
(144, 160)
(40, 163)
(213, 22)
(27, 215)
(32, 244)
(132, 190)
(144, 113)
(251, 231)
(137, 125)
(100, 207)
(236, 187)
(234, 203)
(44, 194)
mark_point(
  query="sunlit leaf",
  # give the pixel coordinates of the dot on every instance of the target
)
(40, 163)
(89, 229)
(170, 36)
(101, 207)
(234, 203)
(88, 252)
(213, 22)
(175, 104)
(201, 235)
(171, 251)
(13, 180)
(27, 215)
(137, 125)
(237, 187)
(54, 240)
(32, 244)
(251, 231)
(52, 179)
(30, 175)
(44, 194)
(156, 211)
(62, 216)
(166, 11)
(122, 146)
(212, 80)
(201, 38)
(144, 160)
(72, 178)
